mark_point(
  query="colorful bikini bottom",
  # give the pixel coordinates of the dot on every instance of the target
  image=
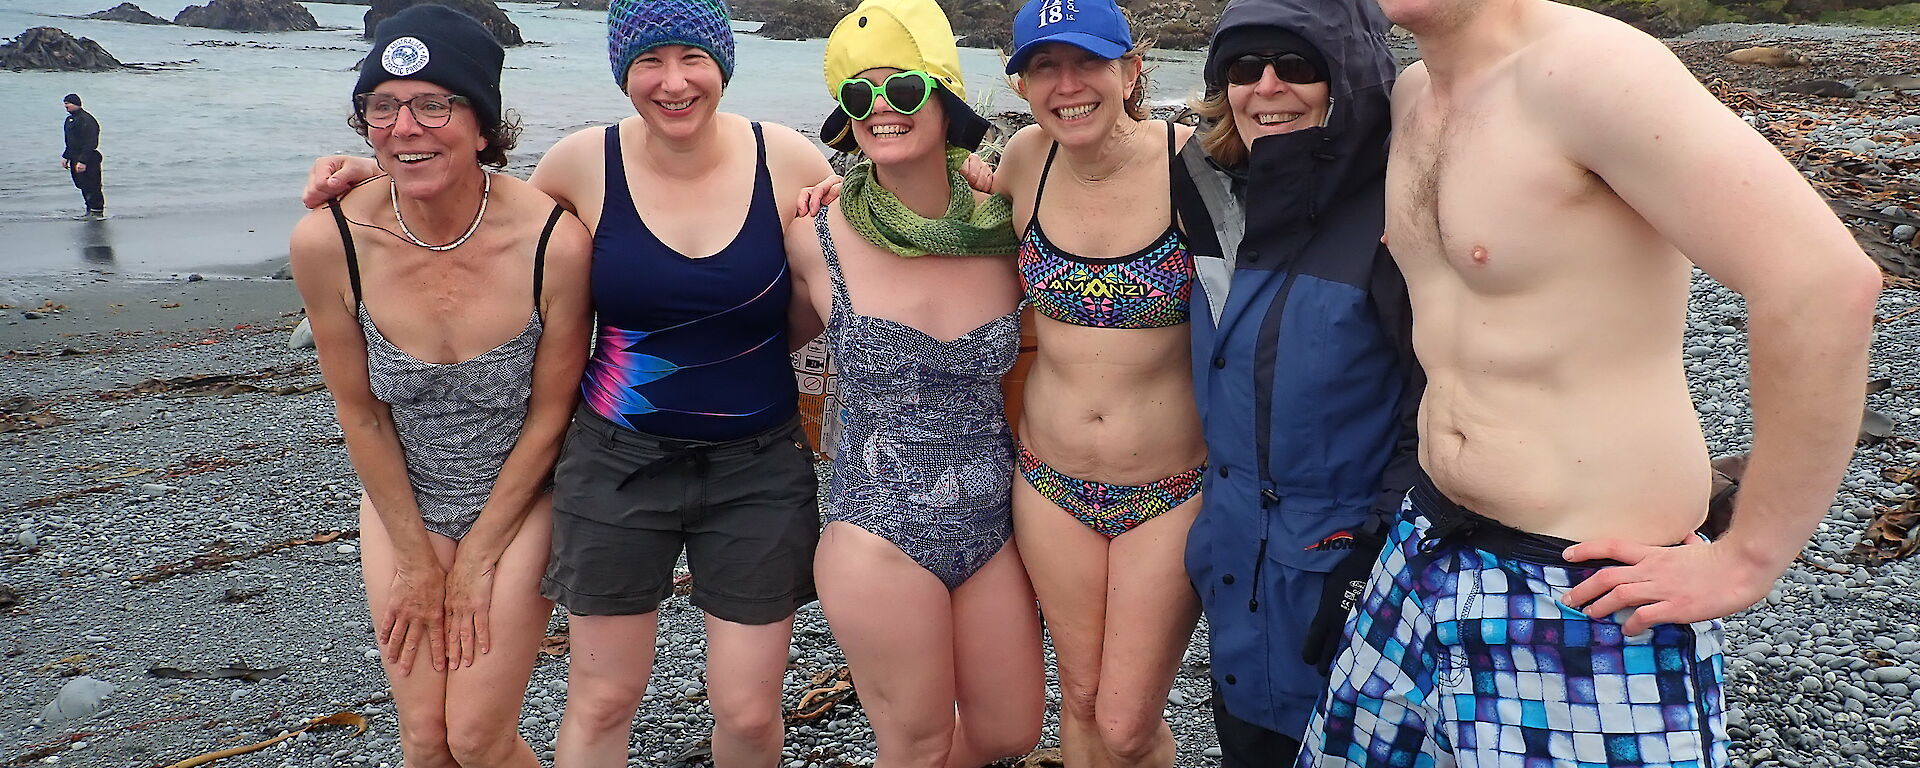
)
(1109, 509)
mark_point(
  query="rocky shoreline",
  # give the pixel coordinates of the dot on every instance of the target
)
(188, 508)
(183, 501)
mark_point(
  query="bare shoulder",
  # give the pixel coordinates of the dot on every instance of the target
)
(569, 168)
(316, 238)
(804, 255)
(1578, 52)
(790, 153)
(1605, 89)
(1408, 87)
(569, 234)
(1026, 144)
(586, 142)
(318, 258)
(570, 251)
(1181, 133)
(1020, 160)
(784, 139)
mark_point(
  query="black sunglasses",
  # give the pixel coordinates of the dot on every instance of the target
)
(1289, 67)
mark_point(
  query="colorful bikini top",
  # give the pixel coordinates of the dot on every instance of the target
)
(1147, 289)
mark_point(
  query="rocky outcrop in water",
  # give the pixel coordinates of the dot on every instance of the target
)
(1187, 24)
(248, 16)
(581, 5)
(127, 12)
(483, 11)
(51, 49)
(799, 19)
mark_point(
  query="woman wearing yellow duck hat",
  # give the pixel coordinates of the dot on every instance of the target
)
(913, 274)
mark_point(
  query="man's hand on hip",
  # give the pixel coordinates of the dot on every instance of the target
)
(1695, 581)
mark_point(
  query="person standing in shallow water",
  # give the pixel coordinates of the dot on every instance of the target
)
(82, 155)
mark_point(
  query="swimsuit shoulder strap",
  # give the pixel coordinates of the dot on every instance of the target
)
(540, 253)
(346, 240)
(1173, 153)
(1046, 168)
(616, 197)
(763, 203)
(825, 233)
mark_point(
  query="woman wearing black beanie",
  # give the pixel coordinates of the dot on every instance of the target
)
(411, 283)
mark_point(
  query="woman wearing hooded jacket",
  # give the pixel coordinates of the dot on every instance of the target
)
(1302, 350)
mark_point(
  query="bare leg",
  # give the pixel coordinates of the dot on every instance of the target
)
(1151, 610)
(745, 665)
(484, 701)
(1068, 564)
(893, 621)
(609, 661)
(420, 697)
(1000, 674)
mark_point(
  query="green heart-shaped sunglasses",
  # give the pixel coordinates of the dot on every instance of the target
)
(906, 92)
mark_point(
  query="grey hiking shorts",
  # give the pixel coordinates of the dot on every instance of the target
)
(625, 503)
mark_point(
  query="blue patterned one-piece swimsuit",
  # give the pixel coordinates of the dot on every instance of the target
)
(925, 456)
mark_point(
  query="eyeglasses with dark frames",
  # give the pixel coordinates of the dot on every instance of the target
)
(430, 110)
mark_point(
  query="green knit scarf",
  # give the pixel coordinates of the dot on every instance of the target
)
(965, 230)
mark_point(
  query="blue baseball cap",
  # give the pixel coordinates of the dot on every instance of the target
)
(1095, 25)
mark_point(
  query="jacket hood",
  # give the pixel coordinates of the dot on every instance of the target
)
(1350, 151)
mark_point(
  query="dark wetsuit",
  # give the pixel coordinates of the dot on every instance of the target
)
(83, 148)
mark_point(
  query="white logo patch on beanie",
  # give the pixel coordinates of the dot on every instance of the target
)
(404, 56)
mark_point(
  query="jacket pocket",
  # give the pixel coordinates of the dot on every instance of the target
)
(1333, 545)
(1313, 534)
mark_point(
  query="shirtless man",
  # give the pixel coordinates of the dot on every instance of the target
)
(1554, 177)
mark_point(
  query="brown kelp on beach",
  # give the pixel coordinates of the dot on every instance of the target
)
(1830, 111)
(1872, 180)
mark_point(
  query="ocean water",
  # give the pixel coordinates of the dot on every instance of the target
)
(217, 140)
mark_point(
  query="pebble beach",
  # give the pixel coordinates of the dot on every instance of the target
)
(177, 496)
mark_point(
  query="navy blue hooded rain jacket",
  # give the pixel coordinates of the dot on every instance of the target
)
(1303, 362)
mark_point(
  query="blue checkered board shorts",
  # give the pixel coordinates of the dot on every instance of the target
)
(1461, 657)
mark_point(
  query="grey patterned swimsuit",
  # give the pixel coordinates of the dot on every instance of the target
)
(457, 421)
(925, 457)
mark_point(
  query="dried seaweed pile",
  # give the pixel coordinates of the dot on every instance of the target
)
(1874, 191)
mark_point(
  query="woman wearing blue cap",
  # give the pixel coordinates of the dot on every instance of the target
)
(1110, 458)
(913, 273)
(688, 436)
(452, 430)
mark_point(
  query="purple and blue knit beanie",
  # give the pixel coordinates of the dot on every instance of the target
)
(637, 26)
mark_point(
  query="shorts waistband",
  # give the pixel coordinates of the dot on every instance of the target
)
(621, 436)
(1455, 525)
(670, 452)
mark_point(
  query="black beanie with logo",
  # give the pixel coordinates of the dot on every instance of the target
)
(442, 46)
